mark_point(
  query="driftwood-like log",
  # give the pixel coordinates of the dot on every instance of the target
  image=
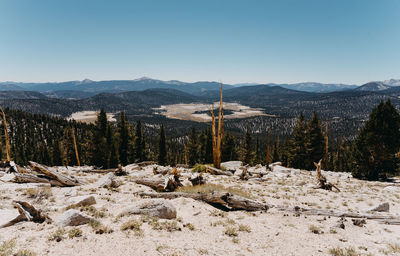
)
(217, 171)
(26, 213)
(170, 183)
(384, 219)
(223, 200)
(64, 180)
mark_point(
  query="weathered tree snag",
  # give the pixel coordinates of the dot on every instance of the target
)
(224, 200)
(6, 135)
(120, 171)
(26, 213)
(217, 137)
(322, 180)
(65, 181)
(29, 178)
(216, 171)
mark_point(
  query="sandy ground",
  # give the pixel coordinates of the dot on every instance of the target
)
(187, 111)
(90, 116)
(257, 233)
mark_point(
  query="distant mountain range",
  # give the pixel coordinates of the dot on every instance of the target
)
(88, 88)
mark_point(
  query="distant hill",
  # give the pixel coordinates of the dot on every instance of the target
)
(21, 95)
(318, 87)
(115, 86)
(10, 87)
(373, 87)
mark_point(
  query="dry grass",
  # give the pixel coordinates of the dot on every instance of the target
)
(212, 188)
(7, 247)
(75, 232)
(231, 231)
(25, 252)
(57, 235)
(343, 252)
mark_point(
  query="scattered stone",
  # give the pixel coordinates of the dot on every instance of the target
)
(390, 189)
(232, 165)
(73, 217)
(81, 201)
(380, 208)
(107, 181)
(159, 208)
(359, 222)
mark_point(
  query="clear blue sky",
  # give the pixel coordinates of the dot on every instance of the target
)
(348, 41)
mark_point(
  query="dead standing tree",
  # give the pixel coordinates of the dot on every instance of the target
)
(217, 138)
(6, 135)
(323, 183)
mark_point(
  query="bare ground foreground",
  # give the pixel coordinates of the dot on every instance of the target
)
(200, 228)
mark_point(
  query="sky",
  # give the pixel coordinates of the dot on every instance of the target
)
(247, 41)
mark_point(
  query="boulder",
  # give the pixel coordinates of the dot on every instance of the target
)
(107, 180)
(380, 208)
(232, 165)
(390, 189)
(81, 200)
(159, 208)
(73, 217)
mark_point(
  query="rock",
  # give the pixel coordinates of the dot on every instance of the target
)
(73, 217)
(159, 208)
(107, 180)
(232, 165)
(380, 208)
(81, 201)
(359, 222)
(390, 189)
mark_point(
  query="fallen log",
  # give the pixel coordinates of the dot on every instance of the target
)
(161, 184)
(197, 179)
(146, 163)
(217, 171)
(223, 200)
(52, 175)
(384, 219)
(26, 213)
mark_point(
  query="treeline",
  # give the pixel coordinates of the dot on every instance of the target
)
(54, 141)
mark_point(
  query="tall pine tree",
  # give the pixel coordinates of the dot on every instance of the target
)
(162, 147)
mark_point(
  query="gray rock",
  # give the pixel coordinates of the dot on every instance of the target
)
(73, 217)
(107, 180)
(380, 208)
(81, 201)
(159, 208)
(390, 188)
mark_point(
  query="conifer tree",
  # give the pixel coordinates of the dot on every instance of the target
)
(162, 148)
(297, 153)
(315, 144)
(139, 149)
(123, 131)
(229, 148)
(192, 147)
(377, 144)
(99, 143)
(247, 149)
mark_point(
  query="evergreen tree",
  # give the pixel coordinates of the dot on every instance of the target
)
(315, 144)
(209, 147)
(247, 149)
(275, 152)
(297, 153)
(56, 155)
(258, 155)
(228, 148)
(123, 130)
(377, 143)
(99, 142)
(162, 149)
(139, 149)
(192, 147)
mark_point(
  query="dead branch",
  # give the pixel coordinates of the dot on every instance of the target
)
(217, 171)
(323, 183)
(52, 175)
(26, 213)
